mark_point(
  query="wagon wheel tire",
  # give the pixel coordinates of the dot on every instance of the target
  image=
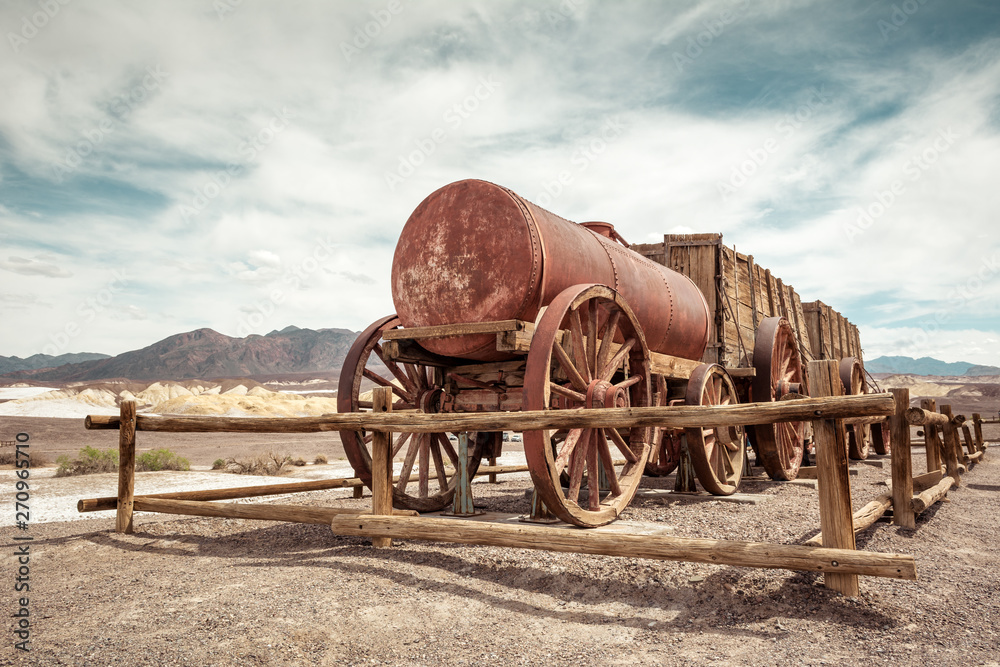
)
(779, 371)
(716, 452)
(859, 436)
(882, 438)
(574, 362)
(426, 481)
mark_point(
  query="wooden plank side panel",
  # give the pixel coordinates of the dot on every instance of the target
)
(802, 328)
(811, 311)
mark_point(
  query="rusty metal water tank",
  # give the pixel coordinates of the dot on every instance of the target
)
(476, 252)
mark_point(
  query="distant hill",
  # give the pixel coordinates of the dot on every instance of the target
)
(927, 366)
(11, 364)
(205, 353)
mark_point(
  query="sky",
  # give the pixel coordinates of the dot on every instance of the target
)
(245, 166)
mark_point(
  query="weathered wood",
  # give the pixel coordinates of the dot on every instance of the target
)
(863, 420)
(975, 457)
(408, 352)
(932, 495)
(921, 417)
(462, 329)
(126, 466)
(836, 518)
(746, 372)
(109, 503)
(902, 464)
(977, 423)
(970, 444)
(259, 511)
(862, 519)
(658, 547)
(678, 416)
(382, 462)
(951, 446)
(925, 481)
(931, 439)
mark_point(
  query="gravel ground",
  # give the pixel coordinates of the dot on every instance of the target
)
(190, 591)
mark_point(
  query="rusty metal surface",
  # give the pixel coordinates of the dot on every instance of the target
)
(474, 252)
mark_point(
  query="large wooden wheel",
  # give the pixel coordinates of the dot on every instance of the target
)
(665, 443)
(428, 476)
(852, 375)
(779, 372)
(716, 453)
(588, 351)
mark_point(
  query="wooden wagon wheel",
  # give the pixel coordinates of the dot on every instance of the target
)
(716, 453)
(779, 372)
(665, 443)
(852, 375)
(414, 387)
(575, 362)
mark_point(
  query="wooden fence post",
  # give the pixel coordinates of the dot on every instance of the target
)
(381, 463)
(951, 447)
(977, 424)
(126, 467)
(902, 464)
(835, 512)
(932, 444)
(970, 445)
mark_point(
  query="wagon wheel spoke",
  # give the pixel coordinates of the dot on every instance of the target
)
(567, 364)
(577, 461)
(625, 384)
(608, 371)
(423, 466)
(408, 460)
(435, 447)
(557, 388)
(622, 446)
(579, 352)
(607, 341)
(448, 449)
(605, 454)
(593, 472)
(568, 445)
(400, 441)
(394, 368)
(592, 336)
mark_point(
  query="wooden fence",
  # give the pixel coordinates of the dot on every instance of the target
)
(832, 552)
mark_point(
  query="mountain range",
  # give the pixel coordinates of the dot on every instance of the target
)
(11, 364)
(205, 353)
(927, 366)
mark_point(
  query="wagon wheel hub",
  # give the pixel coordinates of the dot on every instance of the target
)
(429, 399)
(603, 394)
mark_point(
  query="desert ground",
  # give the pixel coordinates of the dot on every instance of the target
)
(207, 591)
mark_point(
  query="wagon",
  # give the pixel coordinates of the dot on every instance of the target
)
(504, 306)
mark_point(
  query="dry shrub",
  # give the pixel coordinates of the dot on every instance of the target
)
(161, 459)
(268, 463)
(320, 459)
(8, 457)
(298, 461)
(88, 462)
